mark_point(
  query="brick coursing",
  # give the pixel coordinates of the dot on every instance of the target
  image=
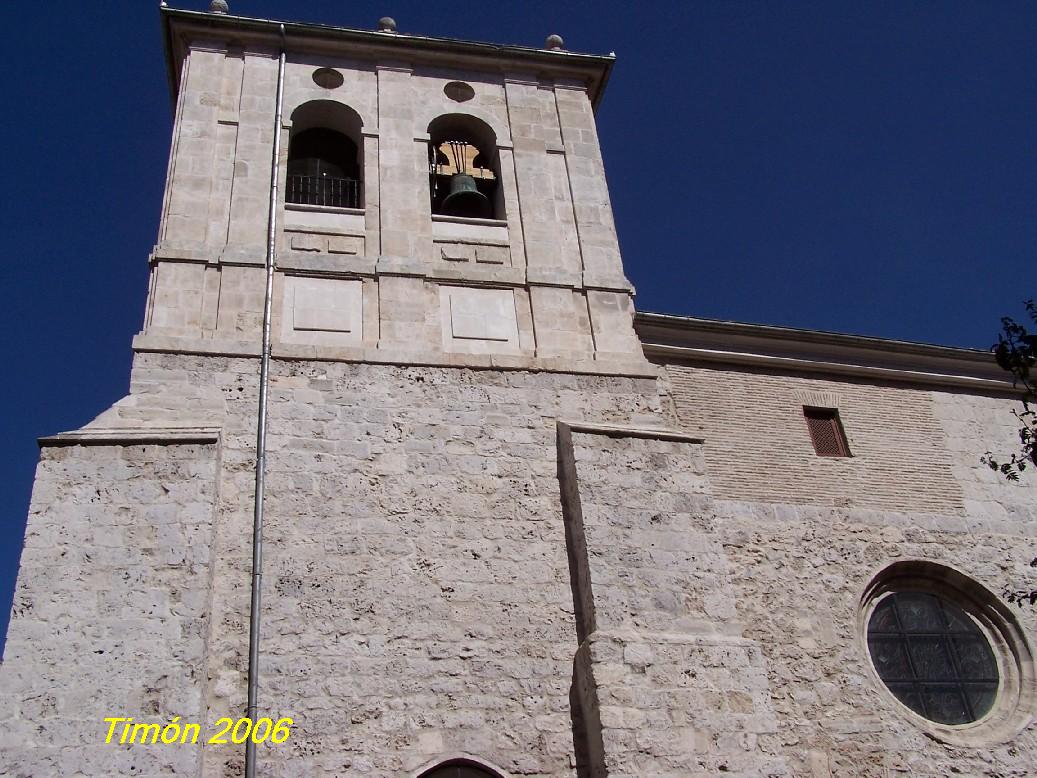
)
(758, 446)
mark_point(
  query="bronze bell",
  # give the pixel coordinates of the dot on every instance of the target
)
(465, 199)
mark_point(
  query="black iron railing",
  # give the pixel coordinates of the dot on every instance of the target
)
(323, 190)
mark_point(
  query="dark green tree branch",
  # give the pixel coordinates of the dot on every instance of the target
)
(1016, 353)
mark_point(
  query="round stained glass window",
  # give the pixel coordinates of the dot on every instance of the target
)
(933, 657)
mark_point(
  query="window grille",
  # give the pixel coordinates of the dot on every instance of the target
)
(933, 657)
(324, 170)
(323, 190)
(826, 432)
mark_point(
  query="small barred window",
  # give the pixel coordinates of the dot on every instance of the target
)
(826, 432)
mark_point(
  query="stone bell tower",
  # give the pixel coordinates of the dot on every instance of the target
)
(375, 260)
(451, 339)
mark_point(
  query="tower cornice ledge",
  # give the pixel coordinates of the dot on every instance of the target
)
(604, 364)
(181, 27)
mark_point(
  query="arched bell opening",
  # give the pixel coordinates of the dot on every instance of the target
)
(325, 164)
(464, 168)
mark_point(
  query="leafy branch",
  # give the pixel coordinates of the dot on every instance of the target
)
(1022, 596)
(1016, 353)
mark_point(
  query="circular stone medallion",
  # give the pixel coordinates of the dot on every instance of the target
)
(327, 78)
(459, 91)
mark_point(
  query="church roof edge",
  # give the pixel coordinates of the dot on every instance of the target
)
(688, 338)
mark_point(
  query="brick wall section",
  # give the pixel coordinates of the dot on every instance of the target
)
(758, 447)
(110, 613)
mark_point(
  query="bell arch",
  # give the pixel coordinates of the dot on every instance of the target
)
(464, 168)
(325, 156)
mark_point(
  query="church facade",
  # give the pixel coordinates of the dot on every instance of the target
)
(512, 527)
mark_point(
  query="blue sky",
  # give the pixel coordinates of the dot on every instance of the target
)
(858, 167)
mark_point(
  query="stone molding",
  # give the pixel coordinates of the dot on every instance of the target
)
(175, 344)
(133, 436)
(825, 367)
(626, 431)
(374, 266)
(687, 338)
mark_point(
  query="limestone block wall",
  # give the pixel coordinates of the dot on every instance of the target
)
(665, 682)
(436, 585)
(673, 704)
(111, 613)
(972, 425)
(417, 600)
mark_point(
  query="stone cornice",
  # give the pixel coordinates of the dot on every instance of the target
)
(604, 364)
(684, 338)
(132, 436)
(628, 431)
(181, 27)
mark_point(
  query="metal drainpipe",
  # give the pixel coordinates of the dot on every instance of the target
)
(264, 386)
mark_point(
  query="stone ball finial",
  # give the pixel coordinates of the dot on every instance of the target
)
(387, 24)
(219, 7)
(554, 43)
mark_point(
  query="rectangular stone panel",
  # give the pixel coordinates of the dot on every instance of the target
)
(456, 252)
(478, 320)
(320, 307)
(325, 242)
(345, 244)
(307, 242)
(493, 255)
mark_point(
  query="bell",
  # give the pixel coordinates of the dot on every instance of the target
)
(465, 199)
